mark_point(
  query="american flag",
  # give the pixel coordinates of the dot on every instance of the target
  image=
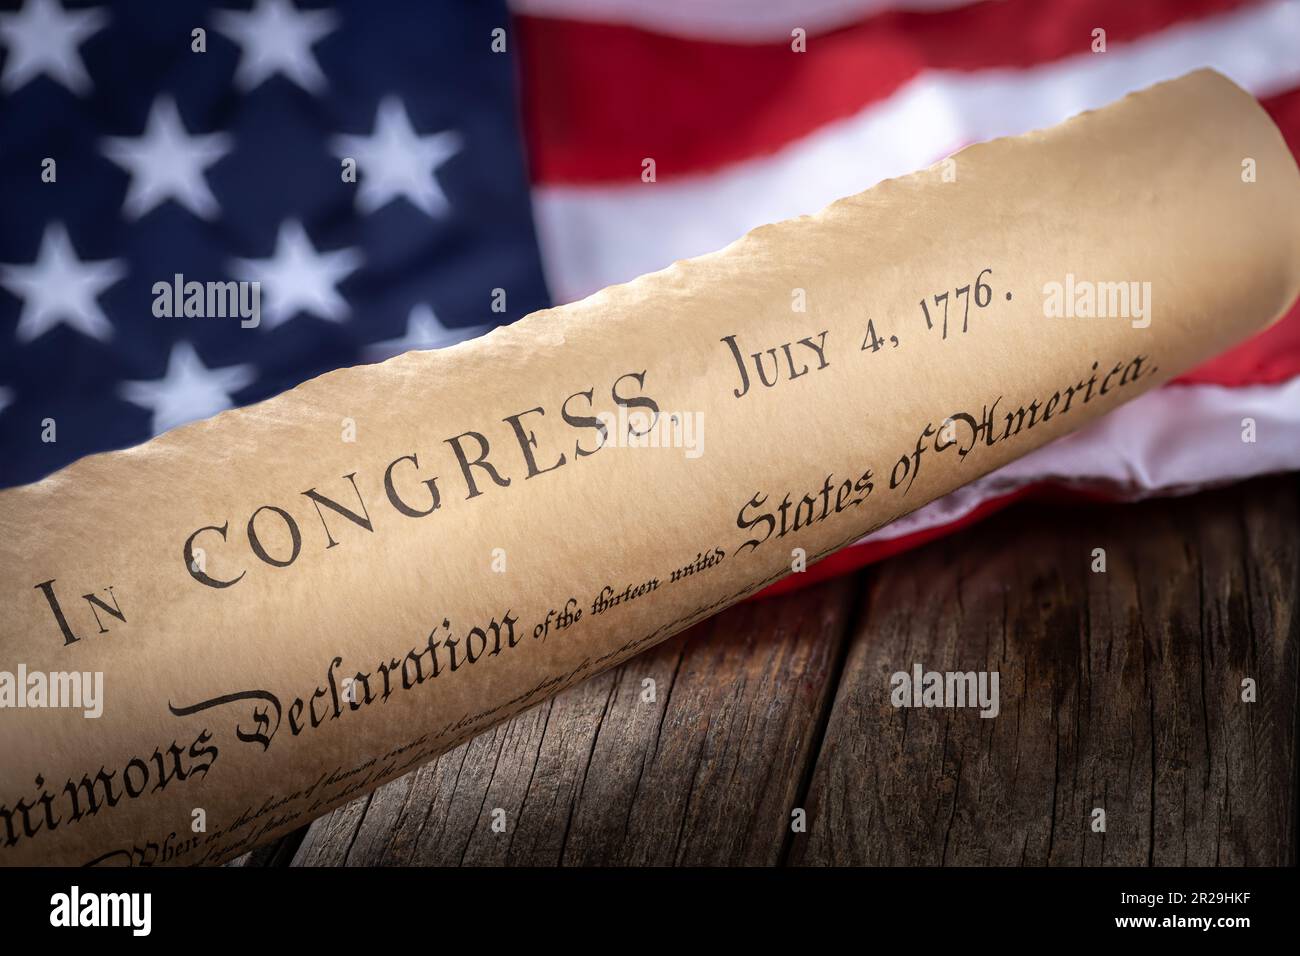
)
(499, 154)
(220, 156)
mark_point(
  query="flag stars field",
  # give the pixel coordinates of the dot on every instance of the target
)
(166, 162)
(139, 154)
(275, 38)
(397, 162)
(188, 390)
(298, 278)
(424, 331)
(42, 39)
(61, 288)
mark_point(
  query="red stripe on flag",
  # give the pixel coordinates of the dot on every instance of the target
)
(1285, 110)
(599, 98)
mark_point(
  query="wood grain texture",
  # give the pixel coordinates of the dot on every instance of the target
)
(1119, 691)
(704, 773)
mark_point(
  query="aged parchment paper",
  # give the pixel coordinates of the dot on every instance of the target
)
(285, 618)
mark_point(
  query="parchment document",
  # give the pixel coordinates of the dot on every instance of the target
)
(292, 603)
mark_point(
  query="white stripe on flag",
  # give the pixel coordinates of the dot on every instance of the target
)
(1174, 440)
(594, 236)
(740, 21)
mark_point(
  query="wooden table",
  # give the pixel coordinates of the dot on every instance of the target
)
(1120, 691)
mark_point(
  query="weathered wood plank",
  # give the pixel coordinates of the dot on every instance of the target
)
(704, 773)
(276, 853)
(1119, 691)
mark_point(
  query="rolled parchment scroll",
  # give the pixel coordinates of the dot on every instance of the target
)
(208, 640)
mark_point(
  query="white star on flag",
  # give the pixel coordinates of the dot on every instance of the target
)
(42, 38)
(59, 287)
(166, 162)
(188, 389)
(395, 161)
(297, 278)
(6, 397)
(276, 37)
(423, 331)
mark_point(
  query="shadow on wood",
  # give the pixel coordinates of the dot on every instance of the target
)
(1120, 691)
